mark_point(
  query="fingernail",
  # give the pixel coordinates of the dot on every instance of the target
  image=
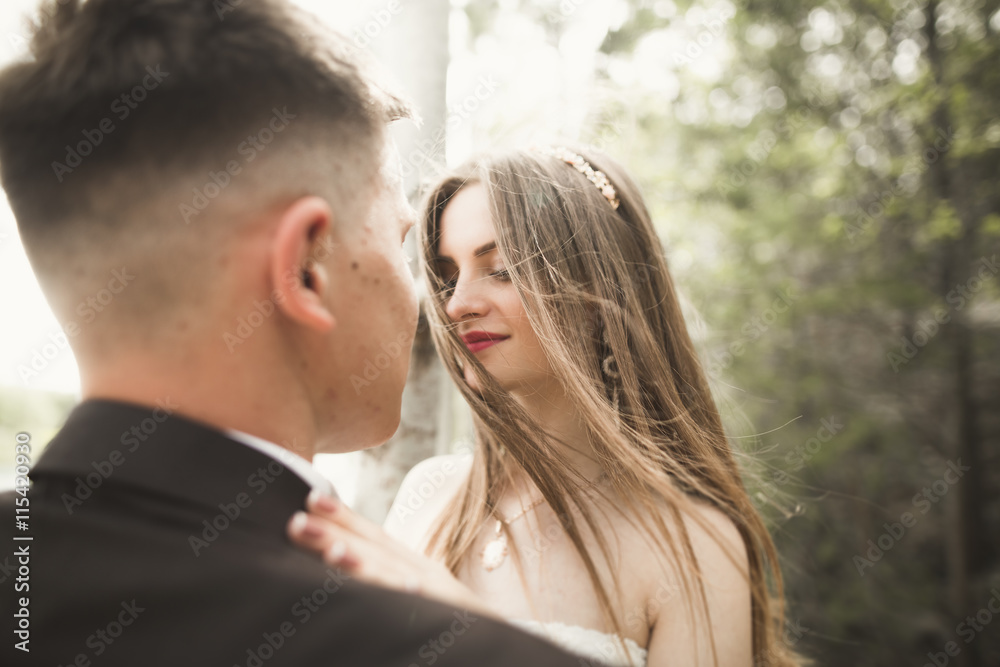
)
(337, 550)
(322, 502)
(302, 525)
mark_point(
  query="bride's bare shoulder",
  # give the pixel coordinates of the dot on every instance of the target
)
(423, 495)
(722, 558)
(715, 541)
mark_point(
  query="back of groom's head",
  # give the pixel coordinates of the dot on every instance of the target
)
(131, 110)
(145, 139)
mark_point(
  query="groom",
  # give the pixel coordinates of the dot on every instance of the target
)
(212, 208)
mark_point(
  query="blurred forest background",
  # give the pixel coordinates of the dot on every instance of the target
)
(824, 177)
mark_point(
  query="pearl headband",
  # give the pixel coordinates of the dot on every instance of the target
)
(595, 176)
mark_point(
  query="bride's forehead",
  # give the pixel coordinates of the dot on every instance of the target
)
(465, 227)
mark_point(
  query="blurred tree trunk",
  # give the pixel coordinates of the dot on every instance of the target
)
(413, 47)
(964, 550)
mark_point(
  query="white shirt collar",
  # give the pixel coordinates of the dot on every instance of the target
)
(298, 465)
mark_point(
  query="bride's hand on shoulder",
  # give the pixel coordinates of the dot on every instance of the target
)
(360, 548)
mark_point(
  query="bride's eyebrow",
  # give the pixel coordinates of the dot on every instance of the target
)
(478, 252)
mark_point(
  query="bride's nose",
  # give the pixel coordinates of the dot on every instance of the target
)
(468, 299)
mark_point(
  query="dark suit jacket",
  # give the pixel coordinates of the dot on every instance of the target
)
(160, 541)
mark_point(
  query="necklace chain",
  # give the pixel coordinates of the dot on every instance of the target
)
(523, 511)
(602, 477)
(495, 552)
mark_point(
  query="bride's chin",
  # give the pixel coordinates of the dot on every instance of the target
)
(472, 380)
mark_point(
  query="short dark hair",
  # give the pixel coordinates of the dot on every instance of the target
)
(158, 93)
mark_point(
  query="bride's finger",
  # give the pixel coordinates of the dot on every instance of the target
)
(314, 533)
(372, 562)
(342, 556)
(337, 512)
(349, 550)
(383, 562)
(329, 541)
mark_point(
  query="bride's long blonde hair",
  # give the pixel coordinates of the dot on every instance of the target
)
(595, 286)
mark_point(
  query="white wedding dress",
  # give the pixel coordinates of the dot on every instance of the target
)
(602, 647)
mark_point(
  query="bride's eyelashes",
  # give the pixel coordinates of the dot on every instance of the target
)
(448, 286)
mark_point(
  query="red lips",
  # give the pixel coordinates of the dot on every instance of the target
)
(480, 340)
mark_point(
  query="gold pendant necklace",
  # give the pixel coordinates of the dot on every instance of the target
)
(495, 552)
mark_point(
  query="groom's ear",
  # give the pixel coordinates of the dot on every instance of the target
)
(300, 280)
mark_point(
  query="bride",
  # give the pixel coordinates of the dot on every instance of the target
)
(603, 507)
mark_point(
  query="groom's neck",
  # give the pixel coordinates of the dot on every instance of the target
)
(220, 395)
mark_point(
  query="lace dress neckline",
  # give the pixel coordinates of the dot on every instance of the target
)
(605, 647)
